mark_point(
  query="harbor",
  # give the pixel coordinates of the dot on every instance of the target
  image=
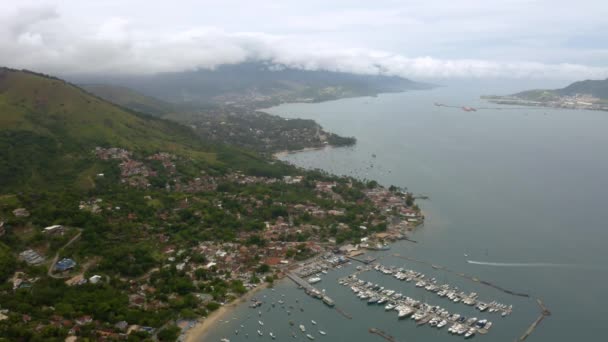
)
(420, 312)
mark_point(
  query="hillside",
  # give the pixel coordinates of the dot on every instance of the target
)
(242, 127)
(131, 99)
(255, 85)
(119, 226)
(48, 129)
(595, 88)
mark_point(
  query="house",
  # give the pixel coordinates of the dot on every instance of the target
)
(21, 212)
(84, 320)
(65, 264)
(348, 248)
(31, 257)
(122, 325)
(53, 229)
(95, 279)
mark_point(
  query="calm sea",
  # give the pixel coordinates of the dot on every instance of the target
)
(522, 192)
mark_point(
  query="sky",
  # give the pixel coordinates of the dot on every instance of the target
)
(542, 39)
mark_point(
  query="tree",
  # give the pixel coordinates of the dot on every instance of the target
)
(170, 333)
(7, 262)
(264, 268)
(409, 200)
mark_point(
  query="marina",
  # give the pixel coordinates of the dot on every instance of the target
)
(422, 313)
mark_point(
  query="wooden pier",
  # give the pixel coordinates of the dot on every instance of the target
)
(343, 313)
(365, 261)
(310, 290)
(382, 334)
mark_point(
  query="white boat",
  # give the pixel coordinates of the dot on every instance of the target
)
(322, 332)
(310, 337)
(224, 340)
(470, 333)
(302, 328)
(314, 280)
(272, 335)
(260, 333)
(261, 323)
(389, 307)
(442, 324)
(313, 322)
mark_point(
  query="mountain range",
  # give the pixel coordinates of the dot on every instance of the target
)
(253, 84)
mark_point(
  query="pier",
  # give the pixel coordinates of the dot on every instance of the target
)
(310, 290)
(544, 313)
(382, 334)
(365, 261)
(472, 278)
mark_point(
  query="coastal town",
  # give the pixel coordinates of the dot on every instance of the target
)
(280, 223)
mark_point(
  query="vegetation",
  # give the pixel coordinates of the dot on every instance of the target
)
(145, 208)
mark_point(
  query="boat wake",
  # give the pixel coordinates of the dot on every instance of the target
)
(535, 264)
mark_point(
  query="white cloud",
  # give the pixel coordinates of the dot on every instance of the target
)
(39, 38)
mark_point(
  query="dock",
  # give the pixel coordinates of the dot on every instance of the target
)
(544, 313)
(382, 334)
(310, 290)
(365, 261)
(343, 313)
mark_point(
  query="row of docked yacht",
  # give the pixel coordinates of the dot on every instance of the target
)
(421, 313)
(444, 290)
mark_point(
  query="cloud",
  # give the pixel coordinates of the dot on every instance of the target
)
(40, 39)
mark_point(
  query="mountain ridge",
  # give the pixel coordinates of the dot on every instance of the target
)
(255, 84)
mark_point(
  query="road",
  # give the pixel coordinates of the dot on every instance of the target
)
(56, 258)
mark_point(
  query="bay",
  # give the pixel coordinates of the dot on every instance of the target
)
(520, 191)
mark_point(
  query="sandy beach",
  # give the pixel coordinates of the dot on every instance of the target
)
(283, 153)
(200, 330)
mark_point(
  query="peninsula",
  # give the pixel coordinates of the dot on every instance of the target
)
(590, 95)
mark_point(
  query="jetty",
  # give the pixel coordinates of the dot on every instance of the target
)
(310, 290)
(382, 334)
(343, 313)
(544, 313)
(366, 261)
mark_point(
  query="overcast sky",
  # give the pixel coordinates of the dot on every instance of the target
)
(544, 39)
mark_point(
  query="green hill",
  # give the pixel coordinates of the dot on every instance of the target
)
(129, 98)
(596, 88)
(48, 129)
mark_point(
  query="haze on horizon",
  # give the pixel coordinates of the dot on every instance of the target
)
(552, 40)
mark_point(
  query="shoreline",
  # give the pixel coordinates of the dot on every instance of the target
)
(203, 326)
(283, 153)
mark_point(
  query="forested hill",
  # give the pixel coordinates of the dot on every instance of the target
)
(594, 88)
(119, 226)
(49, 128)
(255, 84)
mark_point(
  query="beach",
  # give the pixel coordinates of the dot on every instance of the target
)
(204, 325)
(281, 154)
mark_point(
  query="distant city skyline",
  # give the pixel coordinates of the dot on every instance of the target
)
(431, 39)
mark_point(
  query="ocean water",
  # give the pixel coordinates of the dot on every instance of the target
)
(520, 191)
